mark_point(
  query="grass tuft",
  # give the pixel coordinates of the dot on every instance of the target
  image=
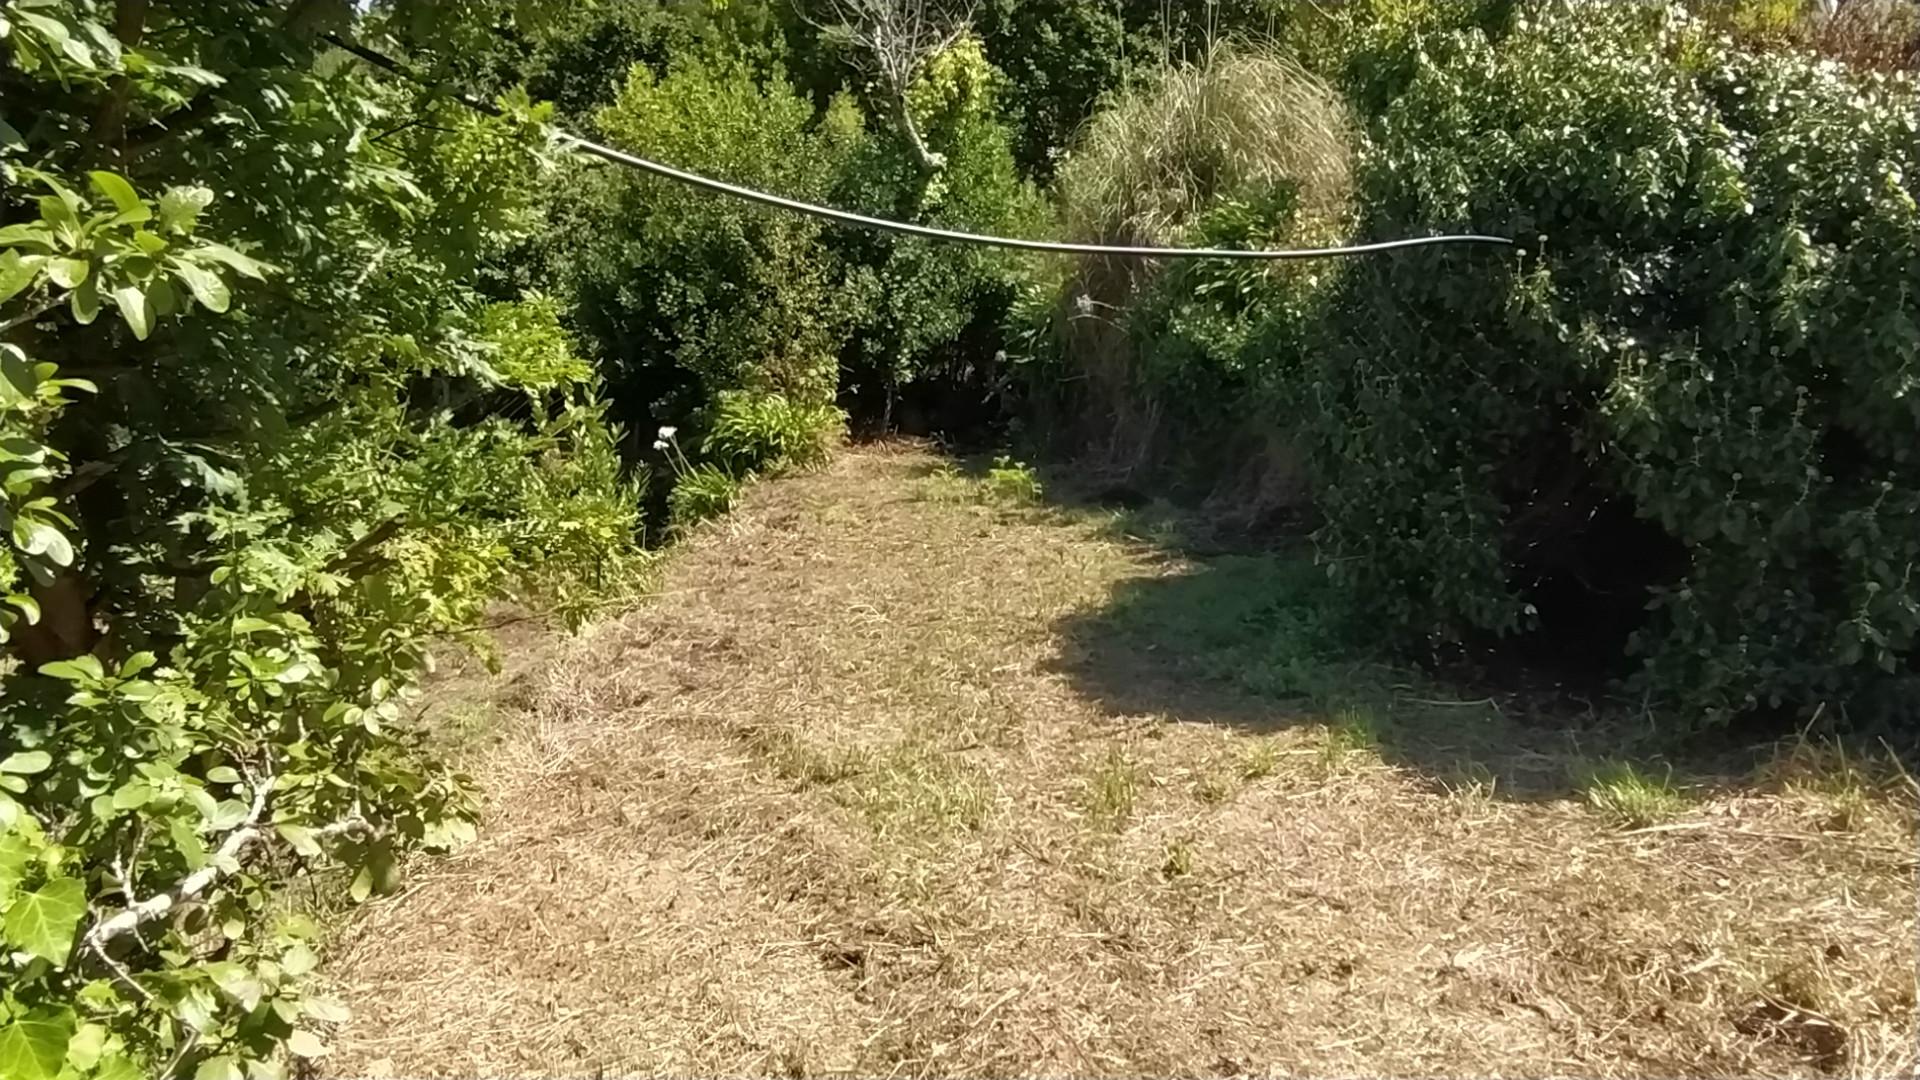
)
(1632, 797)
(1112, 789)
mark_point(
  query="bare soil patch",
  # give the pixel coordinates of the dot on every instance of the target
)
(884, 781)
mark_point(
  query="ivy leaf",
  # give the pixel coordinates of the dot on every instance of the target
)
(122, 195)
(43, 922)
(86, 1046)
(33, 1047)
(26, 762)
(136, 309)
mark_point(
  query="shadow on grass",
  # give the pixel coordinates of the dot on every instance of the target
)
(1259, 640)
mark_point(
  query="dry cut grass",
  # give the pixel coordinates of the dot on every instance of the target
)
(888, 784)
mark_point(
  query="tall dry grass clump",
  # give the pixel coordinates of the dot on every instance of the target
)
(1242, 122)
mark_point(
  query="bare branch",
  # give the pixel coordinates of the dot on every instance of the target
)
(893, 41)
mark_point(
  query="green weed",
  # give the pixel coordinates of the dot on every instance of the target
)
(1353, 731)
(701, 494)
(1112, 790)
(1012, 483)
(1633, 798)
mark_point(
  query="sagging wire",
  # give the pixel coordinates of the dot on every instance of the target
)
(568, 141)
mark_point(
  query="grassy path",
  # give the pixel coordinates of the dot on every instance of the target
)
(889, 780)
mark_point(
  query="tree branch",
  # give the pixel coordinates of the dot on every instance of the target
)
(225, 861)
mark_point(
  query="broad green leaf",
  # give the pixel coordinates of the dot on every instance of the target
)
(205, 284)
(228, 814)
(132, 795)
(118, 1067)
(180, 207)
(67, 273)
(136, 309)
(304, 1043)
(79, 668)
(121, 194)
(27, 234)
(10, 137)
(26, 762)
(362, 886)
(161, 296)
(17, 271)
(43, 922)
(223, 774)
(28, 606)
(137, 663)
(35, 1046)
(301, 840)
(40, 538)
(193, 851)
(86, 1045)
(239, 263)
(299, 960)
(85, 302)
(218, 1068)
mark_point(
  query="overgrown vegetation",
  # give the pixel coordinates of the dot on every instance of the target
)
(1671, 429)
(265, 447)
(304, 363)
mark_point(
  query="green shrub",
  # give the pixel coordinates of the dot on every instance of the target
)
(1012, 482)
(1710, 347)
(703, 493)
(685, 294)
(306, 454)
(757, 432)
(932, 313)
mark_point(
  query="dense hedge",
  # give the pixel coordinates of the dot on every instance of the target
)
(1688, 404)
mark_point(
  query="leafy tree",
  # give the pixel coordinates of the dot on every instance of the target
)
(263, 448)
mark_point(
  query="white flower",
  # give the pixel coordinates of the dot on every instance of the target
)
(667, 433)
(659, 444)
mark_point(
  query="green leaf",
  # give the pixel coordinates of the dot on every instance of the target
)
(306, 1044)
(239, 263)
(78, 669)
(28, 606)
(161, 296)
(228, 814)
(10, 137)
(224, 774)
(67, 273)
(85, 302)
(121, 194)
(135, 308)
(362, 886)
(301, 840)
(205, 284)
(86, 1046)
(299, 960)
(118, 1067)
(43, 922)
(26, 762)
(132, 795)
(188, 843)
(40, 538)
(180, 208)
(218, 1068)
(17, 271)
(35, 1046)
